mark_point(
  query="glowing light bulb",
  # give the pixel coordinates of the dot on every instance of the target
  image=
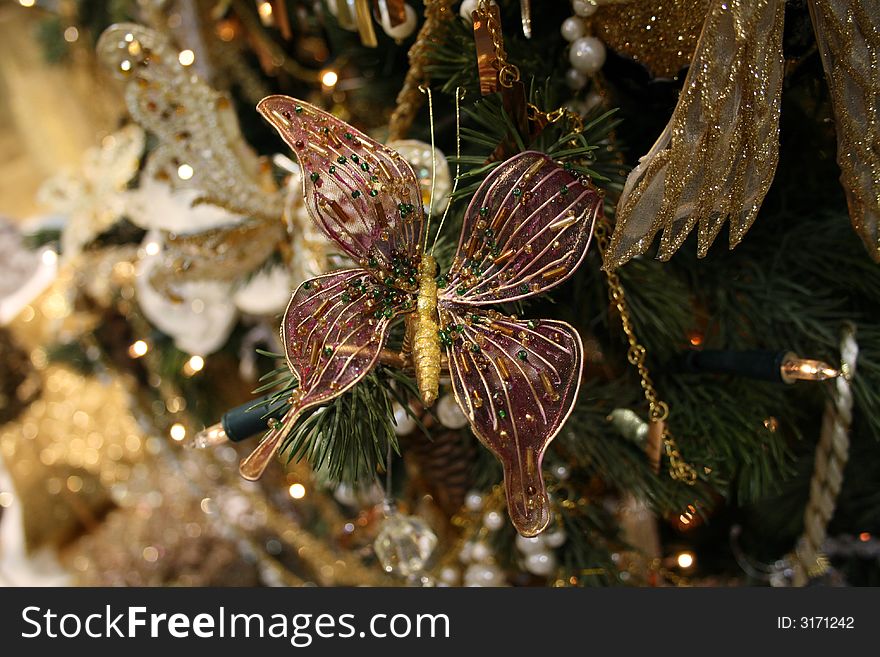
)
(177, 431)
(805, 369)
(186, 57)
(71, 34)
(152, 248)
(329, 78)
(194, 365)
(265, 10)
(138, 349)
(26, 3)
(49, 257)
(685, 559)
(185, 172)
(297, 491)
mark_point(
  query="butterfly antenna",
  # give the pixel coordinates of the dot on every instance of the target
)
(459, 95)
(427, 90)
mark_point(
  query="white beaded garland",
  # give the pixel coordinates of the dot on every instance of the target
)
(468, 7)
(575, 79)
(473, 501)
(397, 32)
(449, 413)
(450, 575)
(483, 575)
(531, 545)
(572, 28)
(493, 521)
(587, 55)
(555, 538)
(405, 424)
(481, 553)
(584, 8)
(541, 563)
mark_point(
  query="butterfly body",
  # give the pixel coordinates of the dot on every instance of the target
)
(525, 231)
(425, 333)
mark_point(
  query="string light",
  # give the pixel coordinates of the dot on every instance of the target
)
(864, 537)
(265, 10)
(138, 349)
(805, 369)
(329, 78)
(685, 559)
(177, 431)
(71, 34)
(186, 57)
(194, 365)
(49, 257)
(152, 248)
(185, 172)
(26, 3)
(297, 491)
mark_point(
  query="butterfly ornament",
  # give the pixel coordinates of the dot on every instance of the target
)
(525, 231)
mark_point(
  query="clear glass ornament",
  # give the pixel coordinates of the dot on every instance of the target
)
(404, 544)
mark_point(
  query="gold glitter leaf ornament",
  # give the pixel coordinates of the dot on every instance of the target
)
(660, 34)
(201, 146)
(717, 155)
(849, 41)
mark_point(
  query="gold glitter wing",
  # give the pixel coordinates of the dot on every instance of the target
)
(660, 34)
(849, 42)
(201, 145)
(717, 155)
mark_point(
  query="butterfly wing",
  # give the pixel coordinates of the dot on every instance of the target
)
(525, 231)
(363, 195)
(516, 381)
(333, 330)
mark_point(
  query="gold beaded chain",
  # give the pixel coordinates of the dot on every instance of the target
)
(679, 469)
(507, 73)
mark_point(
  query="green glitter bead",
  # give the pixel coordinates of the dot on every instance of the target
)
(389, 281)
(341, 159)
(522, 354)
(461, 291)
(328, 351)
(332, 169)
(348, 135)
(388, 313)
(365, 166)
(524, 289)
(475, 348)
(441, 281)
(346, 297)
(517, 191)
(502, 413)
(355, 194)
(532, 324)
(307, 285)
(315, 177)
(298, 109)
(374, 192)
(355, 158)
(484, 210)
(564, 190)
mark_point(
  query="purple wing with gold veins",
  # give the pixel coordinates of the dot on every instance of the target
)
(516, 381)
(525, 231)
(333, 330)
(364, 196)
